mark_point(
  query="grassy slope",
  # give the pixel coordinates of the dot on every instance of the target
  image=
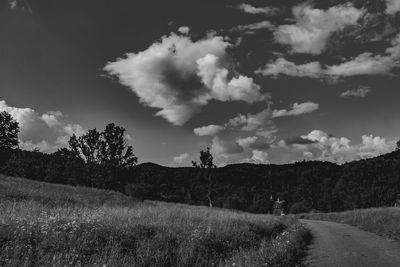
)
(47, 224)
(382, 221)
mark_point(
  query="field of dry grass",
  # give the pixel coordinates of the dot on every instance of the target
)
(54, 225)
(381, 221)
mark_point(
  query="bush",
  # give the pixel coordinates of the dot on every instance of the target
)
(139, 191)
(299, 207)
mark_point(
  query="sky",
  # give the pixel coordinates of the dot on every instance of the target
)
(256, 81)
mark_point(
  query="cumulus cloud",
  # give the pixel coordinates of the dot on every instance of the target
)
(224, 148)
(221, 88)
(297, 109)
(364, 64)
(260, 157)
(46, 132)
(184, 29)
(314, 27)
(326, 147)
(178, 76)
(392, 6)
(257, 10)
(181, 158)
(209, 130)
(246, 142)
(362, 92)
(252, 122)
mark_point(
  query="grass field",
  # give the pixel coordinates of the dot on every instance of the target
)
(382, 221)
(54, 225)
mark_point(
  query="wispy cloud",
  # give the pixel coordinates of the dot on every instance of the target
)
(296, 110)
(257, 10)
(362, 92)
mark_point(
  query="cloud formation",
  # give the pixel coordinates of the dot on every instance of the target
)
(323, 146)
(252, 28)
(362, 92)
(209, 130)
(223, 149)
(46, 132)
(179, 160)
(297, 109)
(314, 27)
(179, 76)
(392, 6)
(257, 10)
(364, 64)
(260, 157)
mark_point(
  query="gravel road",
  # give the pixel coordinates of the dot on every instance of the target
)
(337, 244)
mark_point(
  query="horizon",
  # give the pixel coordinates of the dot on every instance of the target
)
(261, 83)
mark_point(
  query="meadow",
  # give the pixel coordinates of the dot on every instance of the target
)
(381, 221)
(45, 224)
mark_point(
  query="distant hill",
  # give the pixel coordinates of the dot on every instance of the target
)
(304, 186)
(310, 185)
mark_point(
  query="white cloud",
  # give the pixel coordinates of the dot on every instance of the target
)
(223, 149)
(282, 66)
(216, 79)
(246, 142)
(46, 132)
(314, 27)
(181, 158)
(209, 130)
(179, 76)
(392, 6)
(297, 109)
(362, 92)
(52, 119)
(13, 4)
(251, 122)
(260, 157)
(184, 29)
(364, 64)
(340, 150)
(257, 10)
(252, 28)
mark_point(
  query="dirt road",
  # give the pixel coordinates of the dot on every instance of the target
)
(342, 245)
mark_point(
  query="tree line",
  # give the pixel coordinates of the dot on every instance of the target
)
(104, 160)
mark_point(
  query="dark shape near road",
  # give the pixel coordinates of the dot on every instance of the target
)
(337, 244)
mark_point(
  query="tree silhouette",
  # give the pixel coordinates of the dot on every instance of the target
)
(9, 130)
(398, 145)
(107, 148)
(206, 163)
(206, 160)
(106, 155)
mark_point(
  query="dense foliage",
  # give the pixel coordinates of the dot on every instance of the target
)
(103, 160)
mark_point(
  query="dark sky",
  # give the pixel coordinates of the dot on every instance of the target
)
(53, 56)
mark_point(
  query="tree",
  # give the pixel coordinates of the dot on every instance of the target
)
(206, 160)
(398, 145)
(106, 155)
(206, 163)
(9, 130)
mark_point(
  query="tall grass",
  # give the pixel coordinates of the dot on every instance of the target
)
(382, 221)
(54, 225)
